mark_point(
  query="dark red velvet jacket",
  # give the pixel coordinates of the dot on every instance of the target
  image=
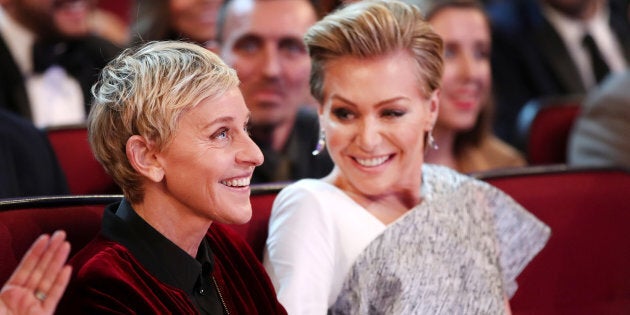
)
(107, 279)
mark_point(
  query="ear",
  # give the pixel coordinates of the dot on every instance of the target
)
(142, 157)
(434, 109)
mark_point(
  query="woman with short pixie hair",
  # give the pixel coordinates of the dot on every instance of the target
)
(169, 124)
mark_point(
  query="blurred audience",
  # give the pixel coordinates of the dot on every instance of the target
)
(38, 282)
(28, 165)
(262, 41)
(600, 134)
(189, 20)
(553, 47)
(463, 132)
(82, 17)
(47, 74)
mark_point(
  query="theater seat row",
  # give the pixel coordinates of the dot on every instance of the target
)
(584, 269)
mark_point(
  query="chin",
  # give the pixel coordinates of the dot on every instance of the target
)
(241, 217)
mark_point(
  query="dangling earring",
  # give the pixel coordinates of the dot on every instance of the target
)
(321, 143)
(431, 141)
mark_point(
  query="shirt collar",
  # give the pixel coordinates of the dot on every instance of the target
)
(573, 29)
(165, 260)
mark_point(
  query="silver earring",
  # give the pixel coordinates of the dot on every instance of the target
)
(321, 143)
(431, 141)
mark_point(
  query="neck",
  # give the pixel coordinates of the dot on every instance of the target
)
(386, 207)
(175, 221)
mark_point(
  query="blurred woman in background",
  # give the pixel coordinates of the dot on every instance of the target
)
(189, 20)
(463, 132)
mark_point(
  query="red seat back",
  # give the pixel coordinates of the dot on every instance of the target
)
(83, 173)
(585, 266)
(544, 126)
(23, 220)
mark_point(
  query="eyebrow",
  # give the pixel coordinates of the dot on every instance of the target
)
(226, 119)
(379, 104)
(220, 120)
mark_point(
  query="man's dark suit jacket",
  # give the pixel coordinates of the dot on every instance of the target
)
(28, 165)
(297, 153)
(530, 60)
(89, 55)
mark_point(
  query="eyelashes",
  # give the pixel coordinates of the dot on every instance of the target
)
(346, 114)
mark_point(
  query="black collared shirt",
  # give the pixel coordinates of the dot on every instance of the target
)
(165, 260)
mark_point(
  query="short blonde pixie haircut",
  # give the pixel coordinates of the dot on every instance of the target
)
(144, 91)
(368, 29)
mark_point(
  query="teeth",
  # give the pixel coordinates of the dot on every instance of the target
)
(236, 182)
(373, 161)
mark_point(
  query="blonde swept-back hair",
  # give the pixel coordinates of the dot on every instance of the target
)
(375, 28)
(144, 91)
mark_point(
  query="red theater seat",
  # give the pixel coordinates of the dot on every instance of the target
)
(544, 126)
(585, 266)
(84, 174)
(22, 220)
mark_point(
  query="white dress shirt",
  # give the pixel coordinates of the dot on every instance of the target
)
(55, 96)
(572, 32)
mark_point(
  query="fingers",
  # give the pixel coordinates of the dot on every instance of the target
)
(40, 279)
(29, 261)
(48, 273)
(42, 262)
(56, 291)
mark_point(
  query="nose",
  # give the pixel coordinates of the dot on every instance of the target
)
(249, 153)
(271, 66)
(467, 66)
(368, 135)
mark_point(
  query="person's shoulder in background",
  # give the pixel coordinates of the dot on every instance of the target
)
(600, 134)
(28, 164)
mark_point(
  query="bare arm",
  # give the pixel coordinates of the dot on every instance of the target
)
(508, 309)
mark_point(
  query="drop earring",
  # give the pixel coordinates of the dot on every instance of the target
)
(431, 142)
(321, 143)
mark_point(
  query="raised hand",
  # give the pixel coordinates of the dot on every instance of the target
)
(38, 282)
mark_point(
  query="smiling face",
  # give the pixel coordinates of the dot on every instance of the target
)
(210, 159)
(466, 80)
(375, 117)
(262, 41)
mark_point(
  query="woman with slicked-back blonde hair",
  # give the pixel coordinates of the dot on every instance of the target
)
(385, 233)
(168, 122)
